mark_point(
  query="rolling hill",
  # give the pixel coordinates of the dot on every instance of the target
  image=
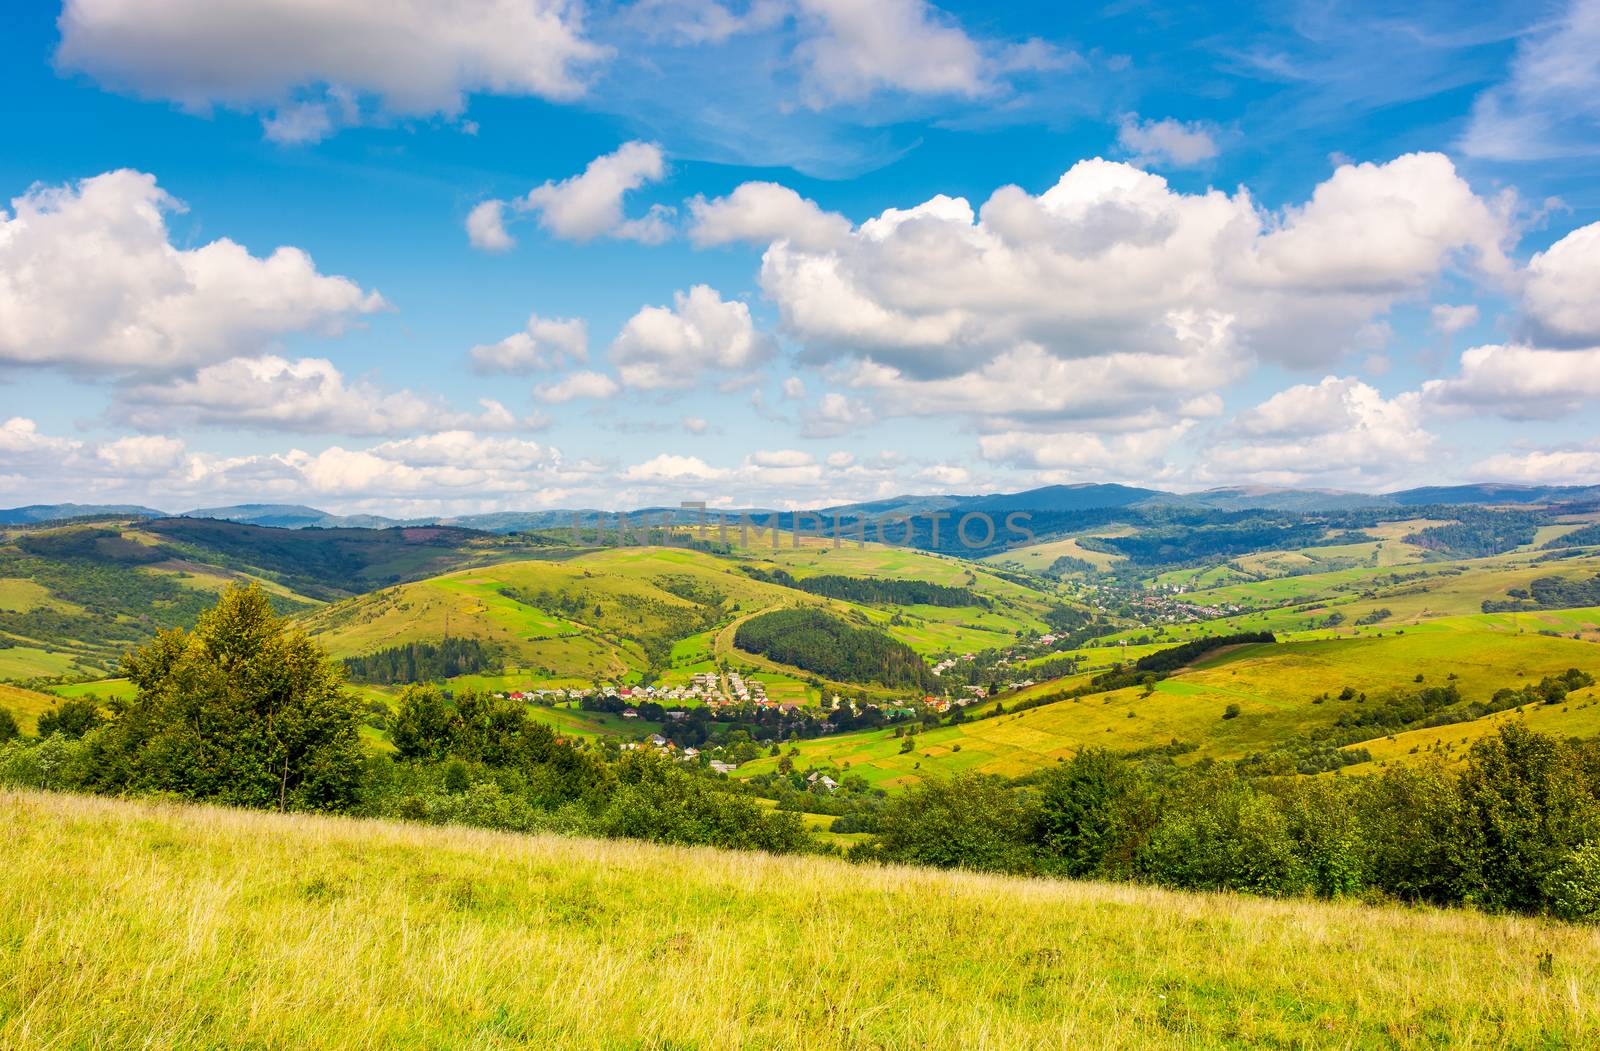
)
(191, 927)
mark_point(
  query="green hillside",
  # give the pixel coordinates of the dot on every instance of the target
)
(146, 924)
(1277, 691)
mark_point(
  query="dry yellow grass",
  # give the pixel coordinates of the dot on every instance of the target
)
(150, 925)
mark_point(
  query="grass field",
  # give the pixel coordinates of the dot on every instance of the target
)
(1277, 688)
(129, 924)
(25, 705)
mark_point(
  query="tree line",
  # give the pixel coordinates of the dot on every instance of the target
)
(1517, 828)
(879, 591)
(819, 642)
(422, 662)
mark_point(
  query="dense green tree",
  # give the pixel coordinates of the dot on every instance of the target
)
(1090, 811)
(1530, 806)
(969, 821)
(9, 730)
(243, 710)
(422, 726)
(71, 719)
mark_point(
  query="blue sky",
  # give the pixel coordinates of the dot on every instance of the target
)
(437, 258)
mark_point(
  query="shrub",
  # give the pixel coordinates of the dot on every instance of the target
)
(71, 719)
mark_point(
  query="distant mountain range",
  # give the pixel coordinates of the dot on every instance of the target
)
(1051, 498)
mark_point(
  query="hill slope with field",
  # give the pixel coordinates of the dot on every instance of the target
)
(186, 927)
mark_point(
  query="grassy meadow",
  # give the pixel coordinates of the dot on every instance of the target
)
(128, 924)
(1278, 688)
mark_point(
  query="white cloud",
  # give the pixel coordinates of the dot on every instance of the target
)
(1339, 431)
(544, 344)
(1452, 319)
(695, 22)
(90, 279)
(1570, 466)
(307, 395)
(794, 388)
(1549, 107)
(1562, 295)
(670, 347)
(944, 474)
(857, 49)
(578, 385)
(1166, 141)
(666, 467)
(142, 455)
(297, 61)
(1087, 455)
(486, 227)
(589, 205)
(1519, 382)
(837, 414)
(1028, 388)
(763, 212)
(696, 424)
(1112, 261)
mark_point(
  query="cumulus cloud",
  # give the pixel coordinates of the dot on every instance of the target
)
(763, 212)
(667, 467)
(89, 279)
(589, 205)
(1569, 466)
(856, 49)
(671, 347)
(1068, 456)
(1339, 431)
(544, 344)
(307, 395)
(595, 385)
(486, 227)
(1028, 388)
(836, 414)
(1111, 260)
(1169, 141)
(1562, 295)
(1549, 106)
(1452, 319)
(1519, 382)
(428, 473)
(298, 62)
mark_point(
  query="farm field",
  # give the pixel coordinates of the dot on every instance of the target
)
(1577, 716)
(186, 926)
(1277, 689)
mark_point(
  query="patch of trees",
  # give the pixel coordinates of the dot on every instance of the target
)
(1518, 829)
(1584, 537)
(1180, 656)
(822, 643)
(1478, 535)
(874, 591)
(1548, 593)
(1068, 564)
(423, 662)
(1377, 616)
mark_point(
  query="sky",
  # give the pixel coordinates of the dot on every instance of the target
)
(436, 257)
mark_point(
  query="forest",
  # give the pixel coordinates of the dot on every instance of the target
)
(823, 644)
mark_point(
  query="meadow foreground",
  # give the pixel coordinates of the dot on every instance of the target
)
(147, 924)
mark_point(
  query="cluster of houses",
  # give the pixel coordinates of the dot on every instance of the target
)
(950, 662)
(685, 755)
